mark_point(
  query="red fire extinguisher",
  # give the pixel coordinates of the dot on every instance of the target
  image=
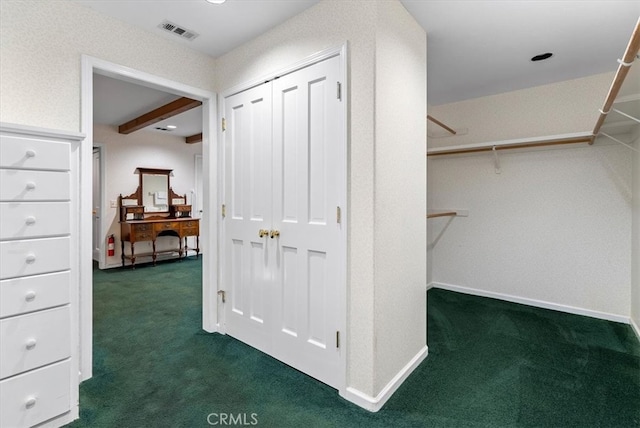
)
(111, 246)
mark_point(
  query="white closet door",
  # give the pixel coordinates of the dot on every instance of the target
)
(247, 276)
(308, 158)
(285, 172)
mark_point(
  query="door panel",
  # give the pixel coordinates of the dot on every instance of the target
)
(97, 208)
(247, 192)
(307, 145)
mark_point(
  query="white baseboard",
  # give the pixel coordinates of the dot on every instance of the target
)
(373, 404)
(635, 327)
(430, 286)
(532, 302)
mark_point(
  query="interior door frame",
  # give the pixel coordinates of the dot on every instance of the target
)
(342, 52)
(208, 228)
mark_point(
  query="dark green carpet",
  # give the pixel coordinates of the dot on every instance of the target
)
(490, 364)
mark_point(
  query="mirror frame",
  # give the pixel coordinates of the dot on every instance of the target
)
(153, 171)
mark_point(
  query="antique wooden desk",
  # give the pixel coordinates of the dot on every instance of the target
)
(150, 229)
(155, 210)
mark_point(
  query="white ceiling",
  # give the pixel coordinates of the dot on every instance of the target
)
(475, 47)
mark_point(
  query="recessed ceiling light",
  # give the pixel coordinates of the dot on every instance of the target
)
(171, 126)
(215, 1)
(542, 57)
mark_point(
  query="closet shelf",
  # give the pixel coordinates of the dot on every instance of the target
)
(435, 214)
(441, 125)
(521, 143)
(627, 60)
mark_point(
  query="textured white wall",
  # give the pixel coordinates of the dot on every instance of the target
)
(400, 190)
(41, 43)
(559, 108)
(122, 155)
(635, 237)
(553, 226)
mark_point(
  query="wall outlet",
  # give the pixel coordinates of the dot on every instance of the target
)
(113, 204)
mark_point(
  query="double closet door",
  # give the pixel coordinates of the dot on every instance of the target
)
(284, 239)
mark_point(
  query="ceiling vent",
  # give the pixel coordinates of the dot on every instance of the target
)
(178, 30)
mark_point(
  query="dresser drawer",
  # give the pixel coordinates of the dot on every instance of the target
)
(35, 256)
(33, 293)
(166, 225)
(142, 235)
(34, 340)
(37, 396)
(34, 219)
(190, 231)
(16, 152)
(24, 185)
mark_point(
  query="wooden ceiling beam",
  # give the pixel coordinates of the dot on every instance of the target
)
(197, 138)
(161, 113)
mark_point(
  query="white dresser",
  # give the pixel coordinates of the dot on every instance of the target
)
(39, 328)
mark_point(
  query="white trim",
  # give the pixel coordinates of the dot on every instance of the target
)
(41, 132)
(430, 285)
(310, 60)
(208, 232)
(373, 404)
(510, 142)
(533, 302)
(634, 327)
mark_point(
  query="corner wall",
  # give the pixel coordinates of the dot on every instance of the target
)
(400, 261)
(635, 239)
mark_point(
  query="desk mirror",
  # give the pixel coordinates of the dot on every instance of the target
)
(154, 189)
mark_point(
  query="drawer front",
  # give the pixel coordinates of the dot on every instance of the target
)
(169, 225)
(190, 231)
(143, 235)
(19, 185)
(191, 223)
(34, 219)
(34, 340)
(25, 153)
(33, 293)
(142, 227)
(37, 396)
(35, 256)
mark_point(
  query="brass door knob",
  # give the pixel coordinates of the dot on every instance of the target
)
(274, 234)
(263, 232)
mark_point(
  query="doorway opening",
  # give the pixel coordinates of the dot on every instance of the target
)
(208, 230)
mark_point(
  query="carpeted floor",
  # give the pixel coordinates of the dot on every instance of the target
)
(490, 364)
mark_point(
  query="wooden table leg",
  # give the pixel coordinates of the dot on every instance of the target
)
(154, 255)
(133, 256)
(122, 251)
(197, 246)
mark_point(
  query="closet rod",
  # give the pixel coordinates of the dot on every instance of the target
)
(442, 214)
(625, 64)
(515, 145)
(440, 124)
